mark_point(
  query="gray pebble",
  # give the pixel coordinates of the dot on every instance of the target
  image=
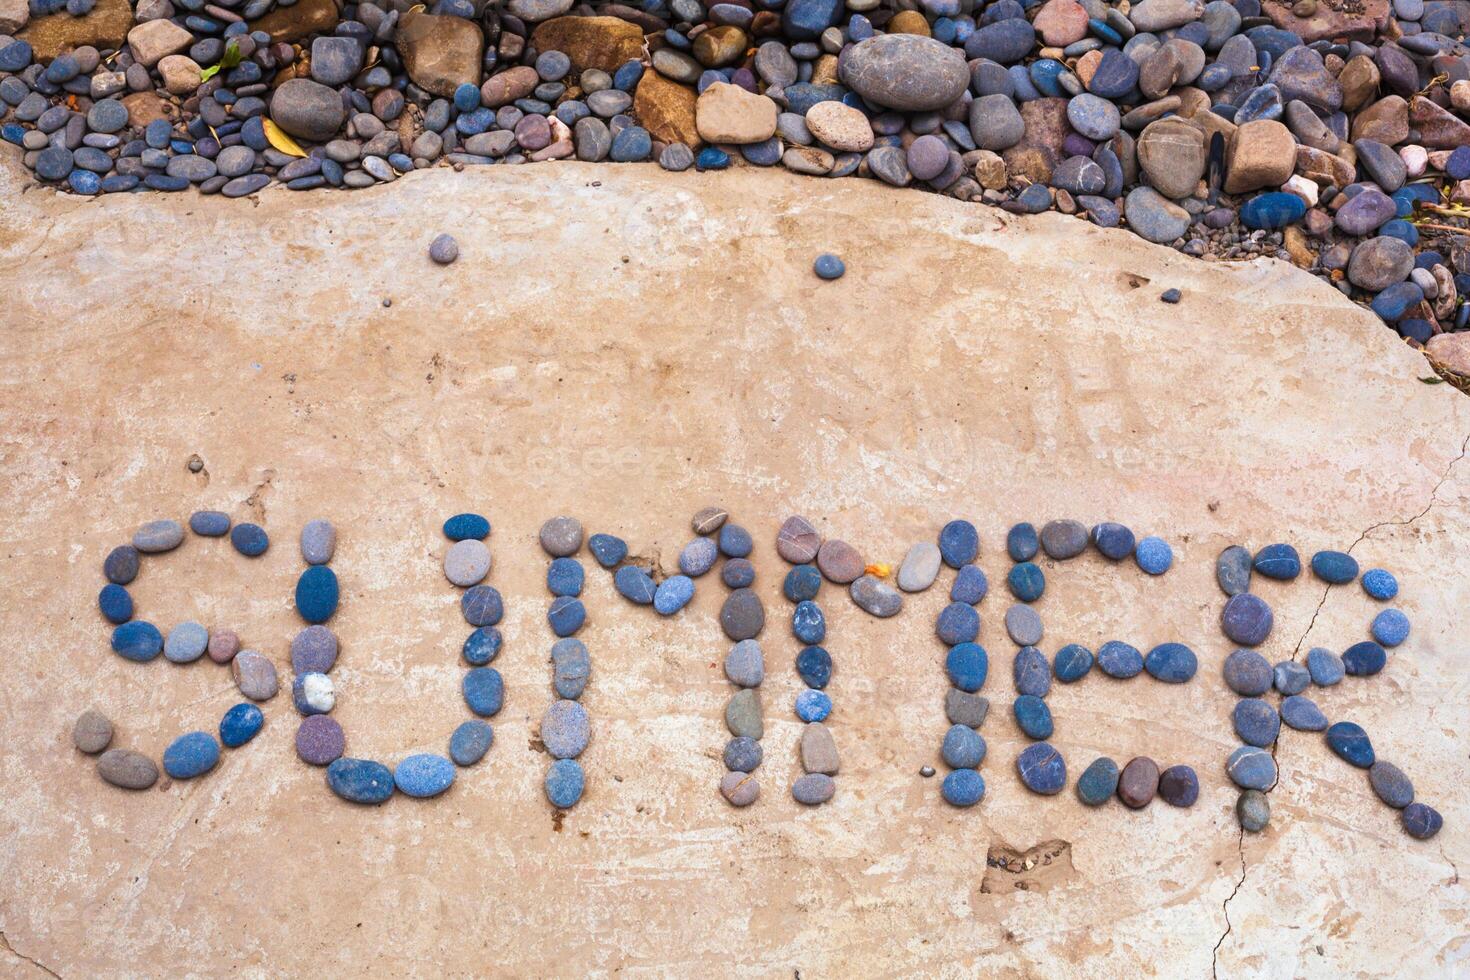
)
(920, 567)
(571, 666)
(876, 597)
(565, 729)
(742, 754)
(698, 557)
(158, 536)
(819, 749)
(1023, 624)
(127, 769)
(561, 536)
(1063, 539)
(318, 542)
(739, 788)
(963, 708)
(745, 665)
(813, 788)
(255, 675)
(743, 616)
(467, 562)
(92, 733)
(743, 714)
(443, 249)
(186, 643)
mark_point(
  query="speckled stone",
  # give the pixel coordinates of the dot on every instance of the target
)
(313, 650)
(209, 523)
(158, 536)
(1247, 620)
(745, 664)
(1098, 782)
(743, 714)
(1247, 673)
(1324, 667)
(484, 691)
(223, 645)
(565, 729)
(970, 585)
(318, 542)
(1253, 810)
(561, 536)
(798, 540)
(1256, 722)
(1042, 769)
(875, 597)
(1119, 660)
(1022, 542)
(839, 561)
(959, 542)
(1172, 663)
(467, 562)
(320, 740)
(482, 646)
(1391, 785)
(254, 675)
(802, 583)
(1421, 821)
(424, 775)
(1064, 539)
(565, 783)
(1351, 744)
(957, 623)
(963, 788)
(1380, 584)
(1138, 782)
(607, 549)
(565, 576)
(1233, 570)
(127, 769)
(191, 754)
(121, 564)
(92, 732)
(742, 616)
(739, 789)
(462, 527)
(698, 556)
(360, 780)
(1179, 786)
(1390, 627)
(737, 573)
(1289, 677)
(1364, 659)
(814, 788)
(1023, 625)
(1030, 672)
(1153, 555)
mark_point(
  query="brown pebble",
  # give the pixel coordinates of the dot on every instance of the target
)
(739, 788)
(798, 541)
(255, 675)
(709, 520)
(840, 561)
(92, 733)
(1305, 8)
(223, 645)
(127, 769)
(818, 749)
(1139, 782)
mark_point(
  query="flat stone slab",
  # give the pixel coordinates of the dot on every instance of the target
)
(625, 346)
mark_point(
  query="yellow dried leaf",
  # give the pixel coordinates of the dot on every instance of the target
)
(281, 141)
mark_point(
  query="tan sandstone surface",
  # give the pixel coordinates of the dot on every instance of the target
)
(625, 346)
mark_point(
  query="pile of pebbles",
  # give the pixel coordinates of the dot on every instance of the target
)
(1328, 134)
(193, 753)
(566, 727)
(1247, 621)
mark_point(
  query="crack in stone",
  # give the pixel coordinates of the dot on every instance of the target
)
(5, 945)
(1225, 908)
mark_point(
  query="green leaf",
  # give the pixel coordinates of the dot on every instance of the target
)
(232, 55)
(1432, 380)
(208, 73)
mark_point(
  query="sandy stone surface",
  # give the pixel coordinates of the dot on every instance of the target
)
(627, 346)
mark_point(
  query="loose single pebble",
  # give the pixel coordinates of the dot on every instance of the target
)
(320, 740)
(482, 605)
(742, 754)
(818, 750)
(1359, 660)
(1256, 722)
(1350, 743)
(313, 694)
(967, 666)
(1022, 542)
(1072, 663)
(699, 556)
(959, 543)
(1391, 785)
(607, 549)
(1278, 561)
(814, 667)
(920, 567)
(743, 714)
(186, 643)
(1289, 677)
(742, 616)
(444, 249)
(92, 732)
(127, 769)
(965, 708)
(970, 586)
(1026, 581)
(1031, 673)
(1334, 567)
(560, 537)
(254, 675)
(1113, 541)
(115, 604)
(813, 705)
(1138, 782)
(745, 665)
(828, 266)
(483, 690)
(708, 520)
(839, 561)
(158, 536)
(565, 729)
(249, 540)
(1033, 717)
(673, 594)
(962, 748)
(1153, 555)
(1253, 811)
(1421, 821)
(1325, 667)
(635, 585)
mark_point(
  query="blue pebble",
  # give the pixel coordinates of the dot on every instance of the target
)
(1302, 713)
(484, 691)
(1290, 677)
(482, 646)
(1118, 659)
(635, 585)
(240, 724)
(1172, 663)
(1031, 673)
(1022, 542)
(1114, 541)
(360, 780)
(1033, 717)
(424, 775)
(1154, 555)
(1256, 722)
(564, 576)
(1042, 769)
(317, 594)
(814, 666)
(1402, 230)
(1380, 584)
(627, 75)
(1359, 660)
(1351, 744)
(467, 99)
(673, 594)
(1250, 767)
(190, 755)
(1072, 663)
(470, 741)
(808, 624)
(959, 543)
(1324, 667)
(249, 539)
(1390, 627)
(607, 549)
(209, 523)
(735, 541)
(802, 583)
(1276, 209)
(963, 748)
(829, 266)
(633, 143)
(115, 602)
(1394, 303)
(15, 56)
(957, 623)
(963, 788)
(712, 158)
(1026, 581)
(1278, 561)
(465, 527)
(1334, 567)
(967, 665)
(564, 783)
(1420, 820)
(970, 585)
(1098, 782)
(84, 182)
(138, 641)
(813, 705)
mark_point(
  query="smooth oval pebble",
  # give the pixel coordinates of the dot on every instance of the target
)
(814, 788)
(1290, 677)
(635, 585)
(1302, 713)
(1390, 627)
(1233, 570)
(564, 783)
(249, 540)
(1064, 539)
(565, 729)
(1119, 660)
(223, 645)
(698, 556)
(1247, 673)
(963, 788)
(484, 691)
(1179, 786)
(464, 527)
(1138, 782)
(360, 780)
(240, 724)
(1251, 768)
(959, 543)
(607, 549)
(814, 666)
(920, 567)
(1256, 722)
(319, 740)
(1421, 821)
(561, 536)
(318, 542)
(875, 597)
(137, 641)
(115, 604)
(957, 623)
(1072, 663)
(470, 741)
(1380, 584)
(742, 754)
(737, 573)
(1278, 561)
(1359, 660)
(467, 562)
(1391, 785)
(1351, 744)
(1172, 663)
(739, 788)
(803, 582)
(1153, 555)
(92, 732)
(1023, 625)
(1042, 769)
(254, 675)
(1022, 542)
(566, 615)
(970, 585)
(1114, 541)
(1026, 581)
(424, 775)
(1334, 567)
(742, 616)
(798, 540)
(481, 605)
(121, 564)
(190, 755)
(209, 523)
(317, 594)
(962, 748)
(813, 705)
(186, 643)
(744, 715)
(158, 536)
(1253, 810)
(708, 520)
(1098, 782)
(1031, 673)
(1033, 717)
(127, 769)
(745, 665)
(839, 561)
(313, 650)
(1324, 667)
(1247, 620)
(673, 594)
(967, 665)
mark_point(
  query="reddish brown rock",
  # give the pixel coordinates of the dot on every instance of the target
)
(720, 46)
(605, 43)
(502, 89)
(666, 109)
(1324, 168)
(1359, 81)
(1386, 121)
(105, 27)
(144, 107)
(1358, 21)
(299, 20)
(1040, 149)
(1138, 782)
(840, 561)
(1262, 154)
(441, 52)
(1438, 128)
(1061, 22)
(798, 541)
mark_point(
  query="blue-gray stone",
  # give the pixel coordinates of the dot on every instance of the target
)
(1301, 712)
(564, 783)
(1098, 782)
(468, 745)
(1030, 672)
(424, 775)
(1120, 660)
(1172, 663)
(1325, 667)
(190, 755)
(1042, 769)
(1351, 744)
(1256, 722)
